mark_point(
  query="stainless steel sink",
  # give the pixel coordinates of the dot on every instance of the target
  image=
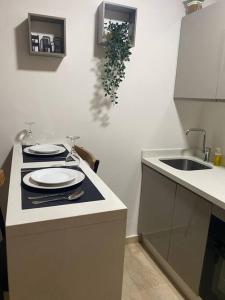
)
(185, 164)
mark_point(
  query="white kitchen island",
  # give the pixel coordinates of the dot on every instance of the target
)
(65, 252)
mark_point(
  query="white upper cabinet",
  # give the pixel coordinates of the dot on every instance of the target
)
(201, 60)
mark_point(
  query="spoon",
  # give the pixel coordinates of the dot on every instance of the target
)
(74, 196)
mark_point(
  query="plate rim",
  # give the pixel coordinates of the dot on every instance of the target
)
(45, 169)
(55, 151)
(26, 151)
(26, 181)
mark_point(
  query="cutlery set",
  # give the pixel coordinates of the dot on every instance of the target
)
(74, 196)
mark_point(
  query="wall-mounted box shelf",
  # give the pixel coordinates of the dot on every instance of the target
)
(47, 35)
(108, 11)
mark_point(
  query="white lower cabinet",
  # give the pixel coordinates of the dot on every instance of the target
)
(175, 221)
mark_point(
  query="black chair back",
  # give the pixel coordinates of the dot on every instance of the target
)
(88, 157)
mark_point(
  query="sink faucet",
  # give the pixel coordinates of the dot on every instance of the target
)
(205, 150)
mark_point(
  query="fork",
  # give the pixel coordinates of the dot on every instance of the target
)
(45, 196)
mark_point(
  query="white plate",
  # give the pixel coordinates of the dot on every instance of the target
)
(28, 151)
(45, 148)
(29, 182)
(54, 176)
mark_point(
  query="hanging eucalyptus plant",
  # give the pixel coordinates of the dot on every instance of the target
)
(117, 52)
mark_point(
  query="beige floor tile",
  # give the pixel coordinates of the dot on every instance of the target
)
(143, 280)
(140, 270)
(160, 293)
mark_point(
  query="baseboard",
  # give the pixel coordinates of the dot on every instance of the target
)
(132, 239)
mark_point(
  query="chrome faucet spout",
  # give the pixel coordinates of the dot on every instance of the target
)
(205, 150)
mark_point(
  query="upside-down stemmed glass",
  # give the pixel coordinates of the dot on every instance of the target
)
(73, 154)
(29, 140)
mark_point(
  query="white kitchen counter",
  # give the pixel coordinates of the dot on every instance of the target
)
(209, 183)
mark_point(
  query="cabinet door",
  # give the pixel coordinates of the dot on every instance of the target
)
(189, 236)
(156, 209)
(200, 53)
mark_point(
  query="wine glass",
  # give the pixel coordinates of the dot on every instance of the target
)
(72, 154)
(29, 140)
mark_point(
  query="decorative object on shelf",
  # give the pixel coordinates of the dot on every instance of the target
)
(116, 13)
(117, 52)
(35, 43)
(49, 32)
(58, 44)
(52, 47)
(28, 139)
(192, 6)
(45, 44)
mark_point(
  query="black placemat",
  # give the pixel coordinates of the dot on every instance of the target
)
(29, 158)
(91, 193)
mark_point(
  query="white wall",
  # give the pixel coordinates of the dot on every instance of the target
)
(63, 98)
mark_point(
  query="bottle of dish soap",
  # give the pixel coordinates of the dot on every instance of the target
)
(217, 157)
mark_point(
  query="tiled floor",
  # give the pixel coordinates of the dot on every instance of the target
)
(143, 280)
